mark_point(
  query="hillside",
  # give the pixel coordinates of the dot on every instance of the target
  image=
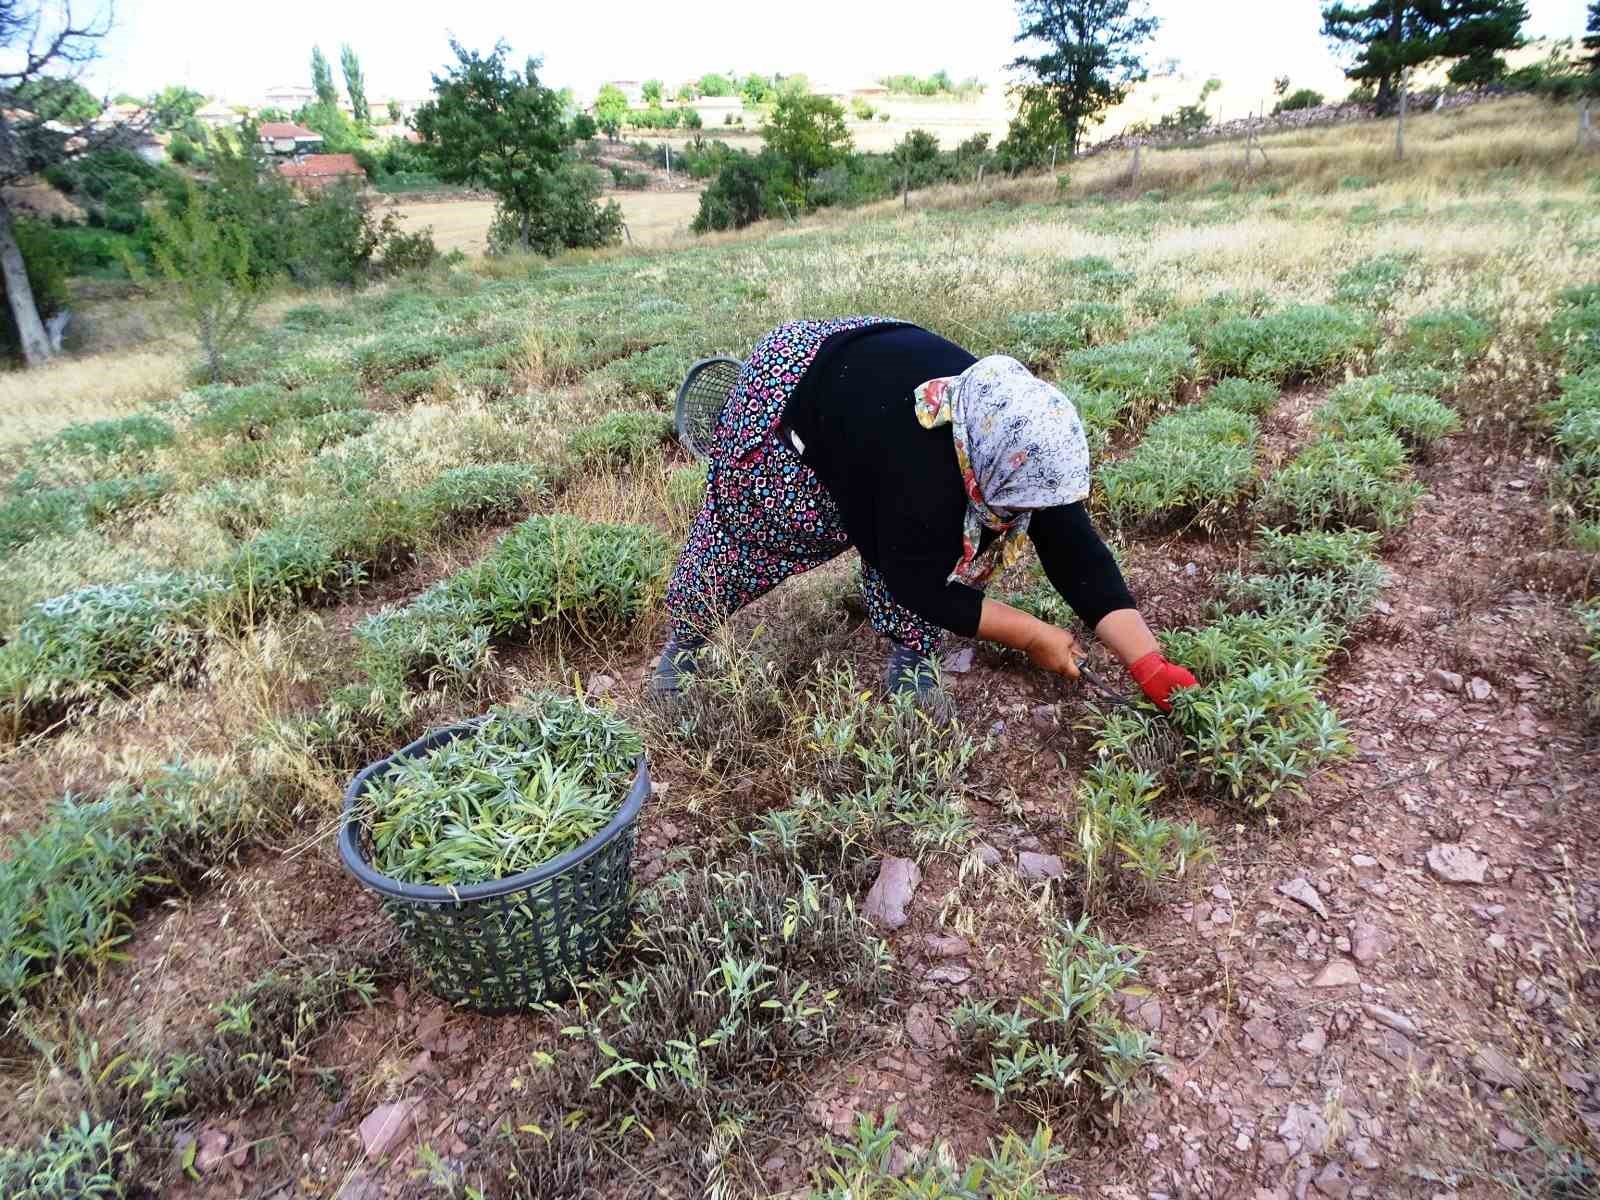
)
(1328, 933)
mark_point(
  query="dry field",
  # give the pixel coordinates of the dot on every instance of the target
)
(1327, 932)
(652, 218)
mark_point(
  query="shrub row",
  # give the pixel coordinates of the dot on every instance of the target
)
(53, 512)
(1574, 414)
(110, 639)
(67, 891)
(619, 439)
(1303, 341)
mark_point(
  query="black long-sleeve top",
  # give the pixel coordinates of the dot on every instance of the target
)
(898, 485)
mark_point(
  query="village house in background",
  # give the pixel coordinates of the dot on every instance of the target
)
(285, 139)
(316, 171)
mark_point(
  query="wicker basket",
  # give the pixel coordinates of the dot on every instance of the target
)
(509, 944)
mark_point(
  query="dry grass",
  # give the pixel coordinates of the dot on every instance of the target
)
(652, 218)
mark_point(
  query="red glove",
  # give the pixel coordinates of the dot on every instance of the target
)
(1159, 679)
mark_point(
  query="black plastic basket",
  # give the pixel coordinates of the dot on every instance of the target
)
(512, 943)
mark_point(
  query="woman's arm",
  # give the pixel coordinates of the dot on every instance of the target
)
(1049, 648)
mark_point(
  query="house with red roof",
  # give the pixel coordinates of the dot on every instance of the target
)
(316, 171)
(287, 139)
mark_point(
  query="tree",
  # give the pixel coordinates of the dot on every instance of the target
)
(809, 132)
(42, 49)
(1591, 40)
(713, 84)
(687, 92)
(1090, 55)
(1033, 133)
(652, 91)
(322, 79)
(395, 115)
(64, 100)
(172, 108)
(610, 109)
(207, 264)
(491, 126)
(1389, 37)
(354, 84)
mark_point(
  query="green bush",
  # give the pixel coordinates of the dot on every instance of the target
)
(1372, 407)
(1093, 277)
(872, 1167)
(1335, 483)
(1315, 576)
(1196, 464)
(1375, 283)
(403, 350)
(1040, 338)
(619, 438)
(68, 888)
(1301, 342)
(1255, 736)
(1448, 337)
(105, 639)
(567, 216)
(85, 1161)
(251, 409)
(655, 372)
(1195, 320)
(51, 512)
(326, 550)
(1315, 552)
(1072, 1053)
(547, 572)
(1144, 371)
(1254, 396)
(1574, 331)
(1297, 100)
(135, 435)
(479, 495)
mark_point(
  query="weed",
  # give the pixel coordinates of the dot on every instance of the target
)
(1073, 1056)
(1194, 465)
(685, 495)
(1306, 341)
(863, 1168)
(620, 438)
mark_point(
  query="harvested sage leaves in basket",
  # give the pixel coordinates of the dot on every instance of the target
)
(527, 786)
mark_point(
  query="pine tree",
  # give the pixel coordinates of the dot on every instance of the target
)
(1390, 37)
(354, 84)
(1092, 54)
(322, 78)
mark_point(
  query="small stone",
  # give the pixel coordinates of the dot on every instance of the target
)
(1361, 1150)
(600, 685)
(887, 901)
(1363, 862)
(1368, 942)
(986, 854)
(1494, 1066)
(386, 1126)
(1263, 1032)
(1509, 1139)
(1040, 866)
(946, 945)
(1456, 864)
(1044, 717)
(361, 1186)
(774, 1164)
(1220, 892)
(1301, 891)
(213, 1149)
(1448, 680)
(1314, 1042)
(1479, 689)
(1334, 1182)
(1398, 1022)
(1337, 973)
(959, 662)
(950, 973)
(1303, 1129)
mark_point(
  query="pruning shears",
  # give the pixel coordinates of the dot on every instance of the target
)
(1101, 688)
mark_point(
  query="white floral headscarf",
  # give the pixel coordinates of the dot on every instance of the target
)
(1021, 447)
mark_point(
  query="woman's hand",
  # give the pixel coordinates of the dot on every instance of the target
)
(1054, 650)
(1158, 678)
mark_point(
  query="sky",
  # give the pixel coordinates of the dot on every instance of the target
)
(236, 52)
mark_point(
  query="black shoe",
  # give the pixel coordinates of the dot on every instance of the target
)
(910, 673)
(680, 659)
